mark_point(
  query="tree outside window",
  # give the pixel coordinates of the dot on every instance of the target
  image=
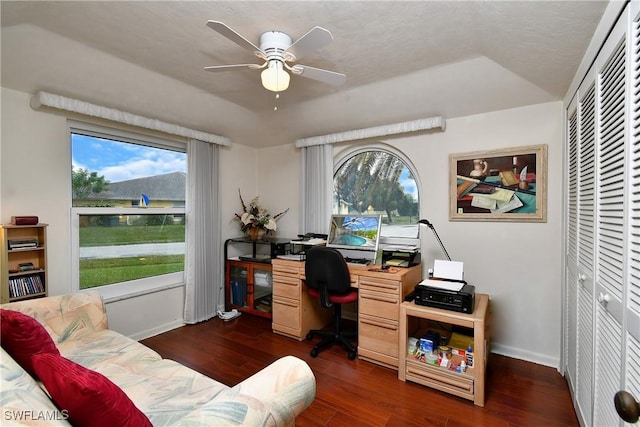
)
(378, 182)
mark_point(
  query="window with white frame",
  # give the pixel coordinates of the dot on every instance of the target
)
(376, 180)
(128, 209)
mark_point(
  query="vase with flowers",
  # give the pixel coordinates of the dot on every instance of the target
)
(256, 221)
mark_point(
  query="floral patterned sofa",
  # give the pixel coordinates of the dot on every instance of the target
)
(165, 392)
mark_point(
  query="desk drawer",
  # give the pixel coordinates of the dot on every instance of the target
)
(292, 269)
(380, 304)
(379, 335)
(286, 286)
(286, 311)
(440, 379)
(380, 285)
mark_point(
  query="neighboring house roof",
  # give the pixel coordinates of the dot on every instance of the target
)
(170, 186)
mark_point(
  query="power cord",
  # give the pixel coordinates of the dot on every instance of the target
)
(228, 315)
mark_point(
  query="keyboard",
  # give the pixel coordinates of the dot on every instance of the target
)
(357, 261)
(293, 257)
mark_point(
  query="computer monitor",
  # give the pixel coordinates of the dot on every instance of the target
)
(355, 232)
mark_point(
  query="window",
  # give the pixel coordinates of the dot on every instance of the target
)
(128, 210)
(379, 181)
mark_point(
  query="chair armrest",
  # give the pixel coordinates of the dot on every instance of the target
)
(66, 317)
(274, 396)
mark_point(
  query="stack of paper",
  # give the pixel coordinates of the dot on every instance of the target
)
(447, 275)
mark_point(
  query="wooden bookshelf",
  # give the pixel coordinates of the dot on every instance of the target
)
(24, 262)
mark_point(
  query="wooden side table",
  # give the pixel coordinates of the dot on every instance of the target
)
(470, 384)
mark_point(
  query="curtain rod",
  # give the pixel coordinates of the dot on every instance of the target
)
(372, 132)
(68, 104)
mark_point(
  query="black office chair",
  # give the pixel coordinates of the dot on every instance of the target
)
(328, 279)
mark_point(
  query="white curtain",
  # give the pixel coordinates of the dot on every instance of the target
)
(203, 258)
(317, 188)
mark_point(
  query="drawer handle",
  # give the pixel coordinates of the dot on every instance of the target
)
(440, 379)
(375, 286)
(283, 302)
(379, 325)
(391, 300)
(283, 283)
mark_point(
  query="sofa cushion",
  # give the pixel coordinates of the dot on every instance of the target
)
(106, 350)
(166, 391)
(23, 336)
(90, 398)
(66, 317)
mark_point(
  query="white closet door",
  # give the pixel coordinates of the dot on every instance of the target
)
(586, 246)
(611, 223)
(631, 381)
(603, 227)
(571, 298)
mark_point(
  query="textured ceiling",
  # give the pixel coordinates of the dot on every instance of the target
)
(465, 57)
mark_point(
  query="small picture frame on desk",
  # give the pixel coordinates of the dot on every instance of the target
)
(499, 185)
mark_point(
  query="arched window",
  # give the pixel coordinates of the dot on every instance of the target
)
(376, 180)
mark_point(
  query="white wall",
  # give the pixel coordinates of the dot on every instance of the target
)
(35, 179)
(517, 264)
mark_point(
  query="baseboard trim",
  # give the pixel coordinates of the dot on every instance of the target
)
(157, 330)
(517, 353)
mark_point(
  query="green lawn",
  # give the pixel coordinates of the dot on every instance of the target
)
(131, 234)
(97, 272)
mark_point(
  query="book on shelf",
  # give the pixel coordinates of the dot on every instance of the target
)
(25, 285)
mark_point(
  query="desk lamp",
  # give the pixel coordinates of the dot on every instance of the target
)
(426, 222)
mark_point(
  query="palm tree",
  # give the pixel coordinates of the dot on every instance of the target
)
(371, 178)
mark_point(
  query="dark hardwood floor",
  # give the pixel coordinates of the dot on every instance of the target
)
(359, 393)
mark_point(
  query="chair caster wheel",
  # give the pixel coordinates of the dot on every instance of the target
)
(351, 355)
(309, 337)
(314, 353)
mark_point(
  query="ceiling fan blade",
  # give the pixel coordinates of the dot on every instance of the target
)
(216, 68)
(232, 35)
(324, 76)
(314, 39)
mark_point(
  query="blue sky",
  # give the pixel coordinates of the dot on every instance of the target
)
(119, 161)
(408, 183)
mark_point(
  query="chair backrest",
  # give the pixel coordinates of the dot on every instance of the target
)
(327, 272)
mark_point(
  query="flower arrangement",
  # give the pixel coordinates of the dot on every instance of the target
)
(255, 219)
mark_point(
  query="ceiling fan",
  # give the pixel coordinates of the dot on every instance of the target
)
(277, 51)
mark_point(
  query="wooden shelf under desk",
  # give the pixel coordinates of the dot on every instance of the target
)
(470, 384)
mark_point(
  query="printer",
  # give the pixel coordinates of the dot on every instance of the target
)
(446, 289)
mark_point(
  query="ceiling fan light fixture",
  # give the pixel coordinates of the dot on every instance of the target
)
(274, 77)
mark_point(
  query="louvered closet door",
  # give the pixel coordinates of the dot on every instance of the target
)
(610, 257)
(631, 334)
(585, 247)
(604, 236)
(571, 261)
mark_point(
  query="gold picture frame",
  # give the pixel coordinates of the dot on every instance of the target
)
(499, 185)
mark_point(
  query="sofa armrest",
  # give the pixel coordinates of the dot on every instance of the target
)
(22, 401)
(274, 396)
(66, 317)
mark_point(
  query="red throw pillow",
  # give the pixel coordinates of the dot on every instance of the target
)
(23, 336)
(88, 397)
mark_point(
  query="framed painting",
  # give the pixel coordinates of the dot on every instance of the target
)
(499, 185)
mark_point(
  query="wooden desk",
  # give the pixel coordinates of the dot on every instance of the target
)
(469, 384)
(379, 298)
